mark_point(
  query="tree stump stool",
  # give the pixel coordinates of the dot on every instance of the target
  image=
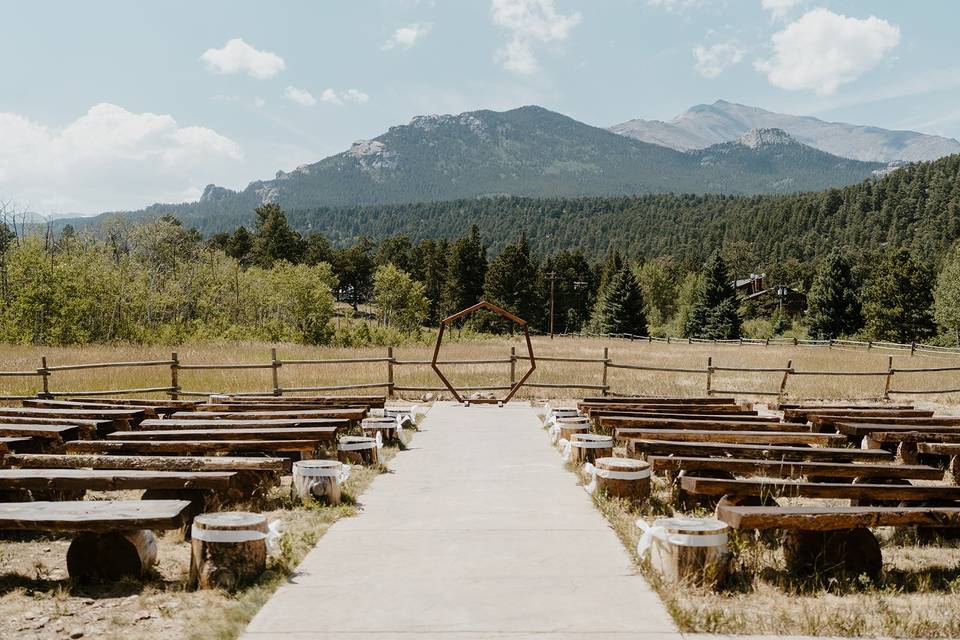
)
(619, 477)
(852, 552)
(564, 428)
(403, 416)
(686, 549)
(111, 555)
(319, 480)
(390, 429)
(555, 413)
(587, 447)
(360, 450)
(228, 549)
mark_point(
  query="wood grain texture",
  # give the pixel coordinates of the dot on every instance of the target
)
(836, 518)
(793, 469)
(87, 515)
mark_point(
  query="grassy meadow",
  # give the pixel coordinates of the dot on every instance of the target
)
(621, 381)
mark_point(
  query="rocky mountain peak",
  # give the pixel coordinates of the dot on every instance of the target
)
(768, 137)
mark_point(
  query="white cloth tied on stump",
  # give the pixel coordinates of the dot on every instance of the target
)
(272, 536)
(360, 446)
(594, 473)
(659, 531)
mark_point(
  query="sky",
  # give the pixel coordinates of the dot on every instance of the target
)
(113, 104)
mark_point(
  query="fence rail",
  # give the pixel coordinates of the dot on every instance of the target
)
(605, 363)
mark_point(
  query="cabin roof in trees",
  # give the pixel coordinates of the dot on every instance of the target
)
(748, 286)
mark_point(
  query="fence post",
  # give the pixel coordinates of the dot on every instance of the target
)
(606, 360)
(709, 374)
(913, 348)
(44, 377)
(174, 373)
(741, 341)
(795, 341)
(869, 345)
(668, 339)
(275, 369)
(513, 366)
(830, 344)
(390, 383)
(783, 381)
(886, 385)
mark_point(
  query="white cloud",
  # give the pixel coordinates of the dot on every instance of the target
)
(239, 57)
(301, 96)
(670, 5)
(822, 50)
(258, 102)
(350, 96)
(779, 8)
(711, 61)
(531, 22)
(109, 158)
(406, 37)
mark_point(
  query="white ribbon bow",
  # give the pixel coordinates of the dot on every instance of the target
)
(659, 532)
(594, 473)
(272, 536)
(274, 533)
(564, 449)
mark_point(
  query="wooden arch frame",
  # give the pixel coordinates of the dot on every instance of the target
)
(483, 304)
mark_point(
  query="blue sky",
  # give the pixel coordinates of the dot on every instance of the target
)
(111, 104)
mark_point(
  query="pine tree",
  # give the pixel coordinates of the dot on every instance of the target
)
(621, 306)
(946, 296)
(239, 245)
(715, 314)
(274, 239)
(511, 283)
(833, 307)
(466, 269)
(899, 299)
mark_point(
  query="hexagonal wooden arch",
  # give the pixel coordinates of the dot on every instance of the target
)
(483, 304)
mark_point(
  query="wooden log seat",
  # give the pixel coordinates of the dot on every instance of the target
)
(253, 477)
(619, 477)
(655, 400)
(49, 437)
(18, 444)
(317, 434)
(825, 540)
(360, 450)
(638, 447)
(376, 402)
(228, 549)
(600, 414)
(305, 448)
(390, 429)
(813, 406)
(148, 412)
(158, 404)
(821, 490)
(803, 415)
(792, 469)
(319, 480)
(122, 419)
(97, 428)
(564, 428)
(170, 424)
(821, 422)
(739, 437)
(352, 415)
(587, 447)
(719, 409)
(622, 423)
(686, 550)
(114, 536)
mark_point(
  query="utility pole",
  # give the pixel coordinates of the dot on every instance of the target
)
(553, 278)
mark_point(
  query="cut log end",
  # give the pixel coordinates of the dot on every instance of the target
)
(111, 556)
(849, 552)
(228, 564)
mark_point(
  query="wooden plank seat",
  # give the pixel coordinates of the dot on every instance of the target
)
(306, 448)
(599, 414)
(857, 429)
(792, 468)
(161, 406)
(342, 401)
(763, 488)
(49, 437)
(122, 419)
(98, 427)
(335, 425)
(352, 415)
(112, 479)
(638, 447)
(10, 444)
(825, 540)
(318, 434)
(803, 415)
(822, 422)
(114, 536)
(818, 406)
(272, 466)
(736, 437)
(624, 422)
(40, 403)
(671, 408)
(655, 400)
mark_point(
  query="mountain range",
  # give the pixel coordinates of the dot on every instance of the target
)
(708, 124)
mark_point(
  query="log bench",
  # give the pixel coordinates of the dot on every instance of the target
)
(734, 437)
(821, 422)
(160, 406)
(372, 402)
(823, 540)
(203, 489)
(624, 422)
(804, 415)
(817, 407)
(40, 403)
(637, 447)
(907, 440)
(98, 427)
(10, 444)
(115, 537)
(949, 449)
(306, 448)
(315, 434)
(655, 400)
(122, 419)
(353, 415)
(722, 409)
(755, 488)
(50, 437)
(792, 469)
(253, 476)
(600, 414)
(171, 424)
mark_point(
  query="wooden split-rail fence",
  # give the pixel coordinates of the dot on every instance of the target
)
(713, 376)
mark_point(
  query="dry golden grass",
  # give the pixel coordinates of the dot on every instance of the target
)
(15, 357)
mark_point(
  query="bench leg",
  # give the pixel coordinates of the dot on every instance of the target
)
(955, 469)
(111, 556)
(201, 501)
(852, 552)
(907, 453)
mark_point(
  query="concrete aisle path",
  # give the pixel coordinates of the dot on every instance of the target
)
(478, 532)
